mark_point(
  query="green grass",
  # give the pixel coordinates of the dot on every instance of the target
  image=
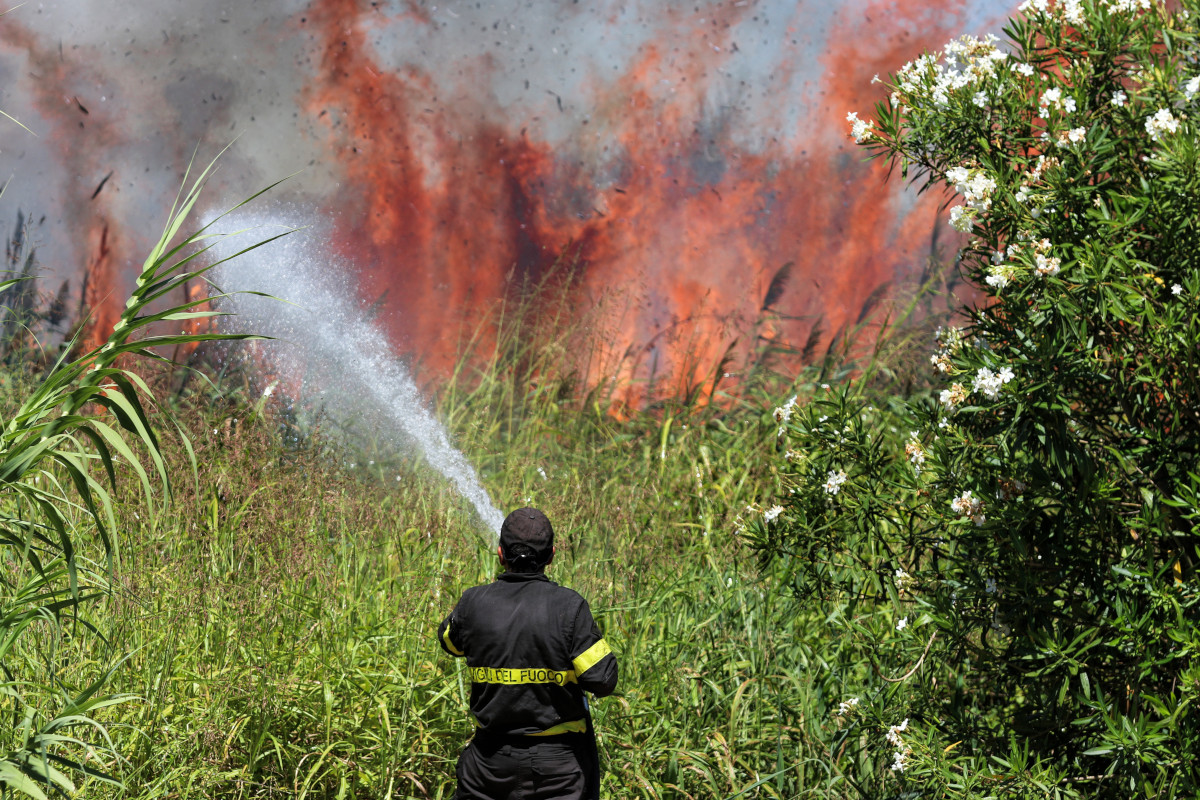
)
(273, 626)
(277, 622)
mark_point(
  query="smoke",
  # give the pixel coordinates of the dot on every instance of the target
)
(681, 153)
(329, 351)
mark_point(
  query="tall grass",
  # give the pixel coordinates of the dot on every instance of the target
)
(279, 620)
(273, 627)
(289, 645)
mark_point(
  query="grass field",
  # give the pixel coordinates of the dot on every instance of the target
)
(273, 631)
(265, 628)
(281, 618)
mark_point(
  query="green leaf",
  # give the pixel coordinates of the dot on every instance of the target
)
(12, 777)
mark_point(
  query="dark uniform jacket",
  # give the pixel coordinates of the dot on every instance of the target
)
(532, 648)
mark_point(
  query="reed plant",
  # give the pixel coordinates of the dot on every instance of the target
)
(59, 536)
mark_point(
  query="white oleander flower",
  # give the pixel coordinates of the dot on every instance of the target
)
(988, 383)
(967, 505)
(902, 624)
(1176, 289)
(962, 219)
(914, 452)
(784, 413)
(846, 706)
(1119, 97)
(1073, 12)
(1046, 266)
(1050, 98)
(893, 734)
(833, 484)
(999, 276)
(953, 397)
(1128, 6)
(975, 185)
(772, 513)
(1161, 123)
(860, 129)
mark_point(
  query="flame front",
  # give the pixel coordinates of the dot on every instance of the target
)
(669, 161)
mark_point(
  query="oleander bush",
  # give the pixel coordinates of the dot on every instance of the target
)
(1015, 552)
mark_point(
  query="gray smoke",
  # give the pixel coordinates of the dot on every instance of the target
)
(158, 78)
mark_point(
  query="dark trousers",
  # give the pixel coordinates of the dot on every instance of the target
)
(526, 768)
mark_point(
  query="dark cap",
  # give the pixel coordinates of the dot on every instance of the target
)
(529, 527)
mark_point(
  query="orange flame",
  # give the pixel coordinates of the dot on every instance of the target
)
(441, 203)
(672, 213)
(99, 301)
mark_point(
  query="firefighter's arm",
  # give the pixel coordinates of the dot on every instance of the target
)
(594, 662)
(450, 637)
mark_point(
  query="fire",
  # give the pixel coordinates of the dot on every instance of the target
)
(93, 229)
(98, 281)
(659, 202)
(447, 206)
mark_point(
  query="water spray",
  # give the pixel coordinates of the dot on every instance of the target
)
(325, 336)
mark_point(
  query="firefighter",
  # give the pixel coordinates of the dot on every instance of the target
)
(533, 649)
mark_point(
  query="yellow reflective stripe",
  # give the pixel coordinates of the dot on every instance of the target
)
(450, 644)
(513, 677)
(590, 657)
(574, 726)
